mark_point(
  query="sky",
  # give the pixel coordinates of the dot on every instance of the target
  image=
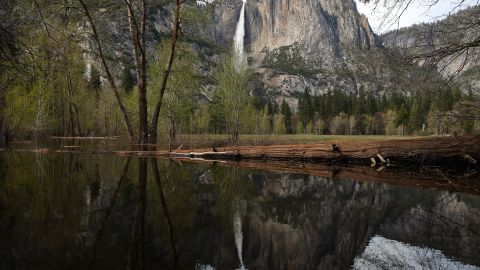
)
(418, 12)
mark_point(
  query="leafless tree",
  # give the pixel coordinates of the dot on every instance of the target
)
(449, 45)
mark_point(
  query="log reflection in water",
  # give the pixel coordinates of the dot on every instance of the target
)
(468, 183)
(288, 218)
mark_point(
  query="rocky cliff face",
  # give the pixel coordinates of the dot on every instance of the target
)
(320, 44)
(323, 31)
(292, 45)
(449, 35)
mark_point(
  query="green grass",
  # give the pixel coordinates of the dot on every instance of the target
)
(207, 140)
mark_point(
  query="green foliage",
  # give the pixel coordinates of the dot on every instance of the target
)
(288, 59)
(287, 114)
(305, 107)
(416, 117)
(127, 83)
(95, 81)
(279, 124)
(179, 101)
(233, 91)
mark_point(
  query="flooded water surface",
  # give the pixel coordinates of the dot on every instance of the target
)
(82, 211)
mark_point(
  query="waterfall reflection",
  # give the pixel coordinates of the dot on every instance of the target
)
(239, 209)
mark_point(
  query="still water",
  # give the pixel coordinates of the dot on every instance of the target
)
(81, 211)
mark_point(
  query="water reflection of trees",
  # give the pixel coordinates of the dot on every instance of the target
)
(106, 212)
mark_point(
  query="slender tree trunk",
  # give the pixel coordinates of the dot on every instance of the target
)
(138, 51)
(7, 136)
(166, 74)
(2, 141)
(110, 78)
(105, 119)
(77, 114)
(70, 103)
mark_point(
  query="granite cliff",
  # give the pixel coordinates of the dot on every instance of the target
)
(319, 44)
(453, 34)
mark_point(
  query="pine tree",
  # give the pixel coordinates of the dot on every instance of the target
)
(217, 114)
(360, 102)
(127, 80)
(305, 107)
(416, 118)
(371, 106)
(287, 113)
(402, 117)
(359, 111)
(95, 81)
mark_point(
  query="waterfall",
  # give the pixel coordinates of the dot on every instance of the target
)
(237, 230)
(239, 51)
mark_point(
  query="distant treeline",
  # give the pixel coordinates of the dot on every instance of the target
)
(338, 112)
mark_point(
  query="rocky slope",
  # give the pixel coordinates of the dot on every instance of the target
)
(448, 34)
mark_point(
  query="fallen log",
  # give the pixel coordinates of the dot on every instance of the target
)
(84, 138)
(383, 152)
(430, 150)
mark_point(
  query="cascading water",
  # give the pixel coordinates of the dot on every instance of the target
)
(238, 41)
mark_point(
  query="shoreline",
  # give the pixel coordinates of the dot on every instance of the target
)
(446, 163)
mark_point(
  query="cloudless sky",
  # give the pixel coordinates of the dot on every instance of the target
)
(418, 12)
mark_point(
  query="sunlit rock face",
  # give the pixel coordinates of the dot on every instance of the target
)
(317, 44)
(322, 30)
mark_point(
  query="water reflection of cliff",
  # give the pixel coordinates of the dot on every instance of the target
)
(312, 223)
(109, 213)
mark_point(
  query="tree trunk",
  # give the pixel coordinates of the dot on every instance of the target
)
(138, 52)
(166, 74)
(7, 137)
(77, 114)
(70, 104)
(110, 78)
